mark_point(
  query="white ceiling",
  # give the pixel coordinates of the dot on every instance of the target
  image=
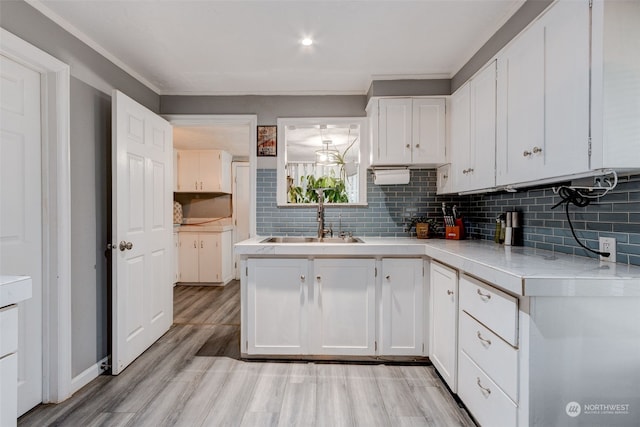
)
(252, 47)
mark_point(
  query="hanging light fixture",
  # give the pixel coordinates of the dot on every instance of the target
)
(327, 156)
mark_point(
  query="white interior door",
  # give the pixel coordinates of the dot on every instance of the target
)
(21, 214)
(241, 206)
(142, 229)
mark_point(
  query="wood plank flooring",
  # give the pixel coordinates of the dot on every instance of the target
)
(193, 377)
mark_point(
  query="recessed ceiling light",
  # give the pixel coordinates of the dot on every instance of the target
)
(306, 41)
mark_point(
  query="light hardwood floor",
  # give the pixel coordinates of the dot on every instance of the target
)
(193, 377)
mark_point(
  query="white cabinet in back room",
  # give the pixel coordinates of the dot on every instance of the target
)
(443, 336)
(204, 171)
(205, 257)
(407, 131)
(402, 321)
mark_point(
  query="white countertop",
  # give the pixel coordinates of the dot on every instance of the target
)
(14, 289)
(519, 270)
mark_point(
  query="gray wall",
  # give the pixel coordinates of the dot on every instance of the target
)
(90, 223)
(267, 108)
(92, 79)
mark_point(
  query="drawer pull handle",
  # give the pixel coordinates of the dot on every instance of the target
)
(388, 277)
(486, 297)
(449, 292)
(484, 340)
(484, 389)
(302, 277)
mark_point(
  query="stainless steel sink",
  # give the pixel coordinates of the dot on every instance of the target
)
(297, 239)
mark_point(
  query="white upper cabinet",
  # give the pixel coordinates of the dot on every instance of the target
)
(615, 99)
(407, 131)
(543, 98)
(204, 171)
(473, 132)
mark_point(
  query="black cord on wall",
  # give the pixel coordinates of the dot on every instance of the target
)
(576, 198)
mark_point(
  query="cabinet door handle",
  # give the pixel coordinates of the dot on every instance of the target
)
(445, 176)
(201, 185)
(417, 145)
(195, 244)
(484, 389)
(486, 297)
(408, 145)
(196, 185)
(484, 340)
(537, 150)
(387, 277)
(449, 292)
(527, 153)
(302, 277)
(202, 244)
(318, 278)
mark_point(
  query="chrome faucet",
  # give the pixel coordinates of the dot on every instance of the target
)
(322, 232)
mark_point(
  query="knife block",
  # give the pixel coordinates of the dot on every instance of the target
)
(455, 232)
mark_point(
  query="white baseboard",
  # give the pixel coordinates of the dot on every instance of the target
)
(87, 375)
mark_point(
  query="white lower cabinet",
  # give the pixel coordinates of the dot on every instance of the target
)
(277, 306)
(443, 322)
(402, 317)
(488, 374)
(8, 365)
(345, 307)
(8, 387)
(327, 306)
(205, 257)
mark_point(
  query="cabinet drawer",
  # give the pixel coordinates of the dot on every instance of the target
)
(496, 358)
(495, 309)
(488, 404)
(8, 330)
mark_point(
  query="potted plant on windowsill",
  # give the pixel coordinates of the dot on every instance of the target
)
(425, 227)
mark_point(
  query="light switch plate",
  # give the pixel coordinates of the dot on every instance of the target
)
(608, 244)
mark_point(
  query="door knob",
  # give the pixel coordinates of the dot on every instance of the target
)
(125, 246)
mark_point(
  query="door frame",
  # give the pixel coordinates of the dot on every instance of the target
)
(251, 120)
(56, 215)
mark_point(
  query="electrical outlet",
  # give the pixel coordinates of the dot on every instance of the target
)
(608, 244)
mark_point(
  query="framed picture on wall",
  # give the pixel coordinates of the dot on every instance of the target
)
(267, 146)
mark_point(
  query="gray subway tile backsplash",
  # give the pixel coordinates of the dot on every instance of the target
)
(391, 207)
